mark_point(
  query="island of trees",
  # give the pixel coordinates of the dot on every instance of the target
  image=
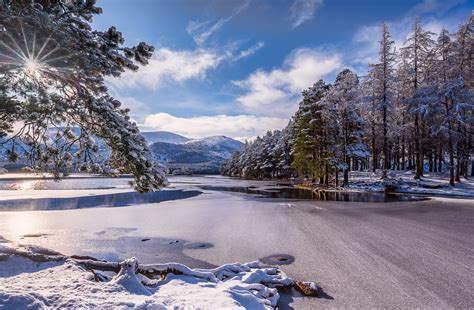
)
(412, 111)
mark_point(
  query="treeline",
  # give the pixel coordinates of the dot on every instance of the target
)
(413, 110)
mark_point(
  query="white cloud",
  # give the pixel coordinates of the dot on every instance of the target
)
(433, 6)
(303, 10)
(367, 37)
(249, 51)
(169, 65)
(239, 127)
(278, 91)
(201, 31)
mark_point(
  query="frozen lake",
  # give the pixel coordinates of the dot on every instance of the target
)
(364, 254)
(46, 190)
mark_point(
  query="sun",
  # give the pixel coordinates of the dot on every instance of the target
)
(32, 67)
(33, 54)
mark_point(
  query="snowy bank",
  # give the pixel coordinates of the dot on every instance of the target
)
(432, 184)
(34, 277)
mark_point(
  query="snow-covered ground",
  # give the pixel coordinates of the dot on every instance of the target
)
(37, 278)
(430, 183)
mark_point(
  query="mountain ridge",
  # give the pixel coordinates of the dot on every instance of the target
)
(199, 156)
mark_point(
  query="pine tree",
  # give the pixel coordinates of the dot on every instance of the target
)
(384, 76)
(418, 46)
(460, 91)
(344, 122)
(413, 105)
(308, 134)
(53, 65)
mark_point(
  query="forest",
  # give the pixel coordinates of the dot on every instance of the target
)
(412, 111)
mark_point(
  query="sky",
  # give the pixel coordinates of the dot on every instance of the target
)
(237, 67)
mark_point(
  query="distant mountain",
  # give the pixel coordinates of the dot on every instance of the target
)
(181, 155)
(163, 136)
(195, 156)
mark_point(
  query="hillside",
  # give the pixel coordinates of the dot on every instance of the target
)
(195, 156)
(163, 136)
(178, 153)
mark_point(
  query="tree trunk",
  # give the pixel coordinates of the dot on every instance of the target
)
(457, 176)
(430, 162)
(418, 161)
(440, 159)
(346, 177)
(374, 152)
(386, 163)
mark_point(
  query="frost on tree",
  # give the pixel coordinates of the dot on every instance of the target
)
(413, 110)
(54, 104)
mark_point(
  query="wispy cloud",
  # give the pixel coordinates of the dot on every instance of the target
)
(437, 7)
(177, 66)
(278, 91)
(202, 30)
(303, 10)
(366, 38)
(240, 127)
(249, 51)
(169, 65)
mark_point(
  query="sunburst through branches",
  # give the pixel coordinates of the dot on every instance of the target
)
(35, 55)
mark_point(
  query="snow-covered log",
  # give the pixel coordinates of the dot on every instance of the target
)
(229, 286)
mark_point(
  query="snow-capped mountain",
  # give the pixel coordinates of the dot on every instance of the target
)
(178, 153)
(204, 155)
(163, 136)
(221, 146)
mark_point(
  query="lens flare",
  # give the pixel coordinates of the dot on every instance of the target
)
(32, 67)
(23, 52)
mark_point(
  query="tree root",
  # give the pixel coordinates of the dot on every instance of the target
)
(261, 281)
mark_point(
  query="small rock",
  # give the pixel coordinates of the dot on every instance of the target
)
(307, 288)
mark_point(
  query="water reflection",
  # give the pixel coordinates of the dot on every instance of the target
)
(299, 193)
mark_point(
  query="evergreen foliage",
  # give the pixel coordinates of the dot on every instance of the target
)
(414, 110)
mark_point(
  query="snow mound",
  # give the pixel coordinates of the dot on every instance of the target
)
(87, 283)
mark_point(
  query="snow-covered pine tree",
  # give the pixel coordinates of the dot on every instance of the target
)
(384, 77)
(344, 123)
(444, 65)
(417, 50)
(282, 152)
(461, 92)
(416, 106)
(52, 67)
(309, 145)
(368, 90)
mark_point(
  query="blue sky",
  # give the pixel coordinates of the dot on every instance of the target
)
(237, 67)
